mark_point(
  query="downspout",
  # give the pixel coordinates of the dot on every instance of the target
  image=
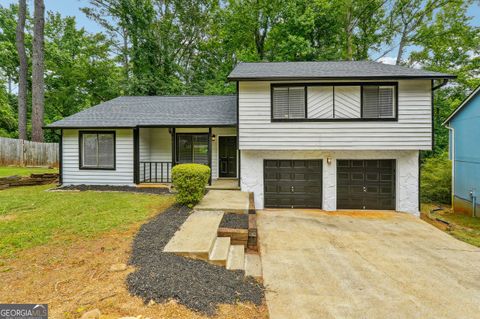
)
(474, 202)
(452, 148)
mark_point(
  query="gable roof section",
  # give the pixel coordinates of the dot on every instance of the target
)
(328, 70)
(462, 105)
(166, 111)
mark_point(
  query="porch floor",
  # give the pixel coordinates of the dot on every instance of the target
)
(224, 183)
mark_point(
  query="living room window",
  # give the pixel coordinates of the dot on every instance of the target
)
(97, 150)
(192, 148)
(288, 102)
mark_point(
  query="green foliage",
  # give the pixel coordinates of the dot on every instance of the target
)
(190, 180)
(32, 217)
(436, 180)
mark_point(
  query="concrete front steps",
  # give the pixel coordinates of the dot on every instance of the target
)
(197, 238)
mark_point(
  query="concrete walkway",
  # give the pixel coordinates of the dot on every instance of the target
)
(228, 201)
(358, 265)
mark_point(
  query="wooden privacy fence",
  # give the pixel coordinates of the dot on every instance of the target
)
(25, 153)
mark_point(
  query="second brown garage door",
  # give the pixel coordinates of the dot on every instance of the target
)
(293, 183)
(366, 184)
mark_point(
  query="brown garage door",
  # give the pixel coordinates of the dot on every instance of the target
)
(366, 184)
(293, 183)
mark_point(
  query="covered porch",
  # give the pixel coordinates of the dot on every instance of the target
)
(158, 149)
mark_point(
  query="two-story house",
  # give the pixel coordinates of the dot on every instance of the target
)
(329, 135)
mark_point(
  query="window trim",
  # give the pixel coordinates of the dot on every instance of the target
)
(80, 153)
(334, 84)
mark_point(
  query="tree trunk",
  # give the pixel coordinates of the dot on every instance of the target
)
(38, 94)
(22, 74)
(401, 47)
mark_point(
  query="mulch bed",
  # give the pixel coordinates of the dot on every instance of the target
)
(107, 188)
(196, 284)
(237, 221)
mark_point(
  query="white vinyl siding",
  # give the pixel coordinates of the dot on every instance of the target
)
(320, 102)
(289, 102)
(347, 102)
(412, 130)
(123, 173)
(159, 145)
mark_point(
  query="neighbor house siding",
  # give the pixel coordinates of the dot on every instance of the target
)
(123, 173)
(412, 131)
(466, 163)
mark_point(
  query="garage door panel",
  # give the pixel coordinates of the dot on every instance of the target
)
(366, 184)
(293, 183)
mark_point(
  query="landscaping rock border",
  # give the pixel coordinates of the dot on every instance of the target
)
(109, 188)
(196, 284)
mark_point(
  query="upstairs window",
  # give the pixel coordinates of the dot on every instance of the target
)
(97, 150)
(289, 102)
(378, 101)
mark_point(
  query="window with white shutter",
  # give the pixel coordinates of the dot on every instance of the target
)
(289, 102)
(378, 101)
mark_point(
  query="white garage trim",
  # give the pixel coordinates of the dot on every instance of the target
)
(406, 173)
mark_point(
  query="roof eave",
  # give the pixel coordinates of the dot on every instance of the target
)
(297, 78)
(460, 107)
(49, 127)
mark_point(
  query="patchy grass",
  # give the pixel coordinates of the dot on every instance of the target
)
(30, 216)
(24, 171)
(462, 227)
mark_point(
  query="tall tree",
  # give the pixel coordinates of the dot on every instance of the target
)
(38, 86)
(23, 70)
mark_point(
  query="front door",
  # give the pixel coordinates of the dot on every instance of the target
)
(227, 156)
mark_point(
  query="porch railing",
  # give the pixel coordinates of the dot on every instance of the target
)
(155, 172)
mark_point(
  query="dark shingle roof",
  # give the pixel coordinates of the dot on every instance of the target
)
(132, 111)
(328, 70)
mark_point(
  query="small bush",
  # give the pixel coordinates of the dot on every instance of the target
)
(436, 180)
(190, 180)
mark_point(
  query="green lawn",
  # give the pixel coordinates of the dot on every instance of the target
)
(463, 227)
(24, 171)
(30, 216)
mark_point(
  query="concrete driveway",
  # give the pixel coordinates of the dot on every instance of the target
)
(365, 265)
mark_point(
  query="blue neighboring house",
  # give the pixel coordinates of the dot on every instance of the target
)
(464, 149)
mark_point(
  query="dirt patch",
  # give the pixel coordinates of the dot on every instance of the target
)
(194, 283)
(74, 278)
(237, 221)
(108, 188)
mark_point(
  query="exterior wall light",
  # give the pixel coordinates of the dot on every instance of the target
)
(329, 160)
(213, 137)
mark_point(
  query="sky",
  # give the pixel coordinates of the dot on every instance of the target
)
(72, 8)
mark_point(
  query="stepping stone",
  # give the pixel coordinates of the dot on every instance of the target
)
(253, 265)
(196, 236)
(236, 257)
(219, 253)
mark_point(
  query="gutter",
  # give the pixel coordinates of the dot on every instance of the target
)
(444, 82)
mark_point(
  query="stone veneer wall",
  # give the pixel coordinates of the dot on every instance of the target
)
(406, 173)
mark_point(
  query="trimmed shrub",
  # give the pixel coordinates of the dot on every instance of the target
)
(190, 180)
(436, 180)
